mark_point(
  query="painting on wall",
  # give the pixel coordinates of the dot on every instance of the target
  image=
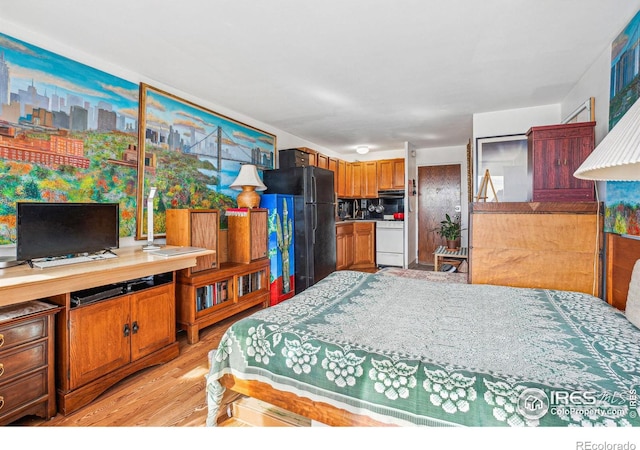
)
(622, 204)
(68, 133)
(192, 155)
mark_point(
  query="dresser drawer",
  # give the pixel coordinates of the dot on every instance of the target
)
(22, 360)
(22, 393)
(21, 332)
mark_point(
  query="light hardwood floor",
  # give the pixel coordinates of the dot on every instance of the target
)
(168, 395)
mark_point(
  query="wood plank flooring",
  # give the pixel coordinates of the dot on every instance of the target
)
(168, 395)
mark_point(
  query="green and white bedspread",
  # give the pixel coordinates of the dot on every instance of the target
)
(407, 351)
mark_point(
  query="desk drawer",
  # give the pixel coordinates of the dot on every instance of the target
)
(22, 360)
(22, 393)
(22, 331)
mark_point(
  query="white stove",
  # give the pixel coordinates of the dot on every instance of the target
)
(390, 243)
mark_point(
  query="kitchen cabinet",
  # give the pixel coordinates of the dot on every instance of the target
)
(554, 153)
(333, 166)
(344, 245)
(362, 180)
(370, 179)
(322, 161)
(342, 179)
(27, 361)
(355, 245)
(390, 174)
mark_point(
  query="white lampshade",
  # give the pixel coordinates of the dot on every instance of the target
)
(362, 149)
(617, 157)
(248, 176)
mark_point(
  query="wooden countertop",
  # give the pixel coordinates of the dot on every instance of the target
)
(23, 283)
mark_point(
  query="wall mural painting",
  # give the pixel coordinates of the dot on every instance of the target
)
(622, 205)
(192, 155)
(68, 133)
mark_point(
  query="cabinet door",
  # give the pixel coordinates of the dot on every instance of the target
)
(397, 174)
(344, 246)
(354, 180)
(333, 166)
(322, 161)
(370, 179)
(153, 323)
(342, 179)
(385, 174)
(364, 243)
(99, 342)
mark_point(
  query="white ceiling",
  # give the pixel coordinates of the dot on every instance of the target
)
(340, 73)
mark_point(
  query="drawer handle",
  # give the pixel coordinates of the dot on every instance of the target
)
(1, 340)
(1, 401)
(1, 369)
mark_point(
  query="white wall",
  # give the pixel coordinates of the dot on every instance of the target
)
(284, 139)
(594, 83)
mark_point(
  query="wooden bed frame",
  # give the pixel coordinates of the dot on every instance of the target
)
(622, 254)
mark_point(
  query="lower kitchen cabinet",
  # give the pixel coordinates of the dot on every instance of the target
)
(27, 352)
(355, 245)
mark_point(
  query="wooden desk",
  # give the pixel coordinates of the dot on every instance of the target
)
(443, 252)
(22, 283)
(94, 345)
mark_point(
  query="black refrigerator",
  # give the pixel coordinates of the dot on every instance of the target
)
(314, 219)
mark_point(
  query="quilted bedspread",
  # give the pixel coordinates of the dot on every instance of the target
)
(414, 352)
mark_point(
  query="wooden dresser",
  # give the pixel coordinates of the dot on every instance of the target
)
(27, 352)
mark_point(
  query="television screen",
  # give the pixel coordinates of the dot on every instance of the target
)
(65, 229)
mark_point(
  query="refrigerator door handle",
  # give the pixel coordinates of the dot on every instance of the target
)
(315, 222)
(314, 189)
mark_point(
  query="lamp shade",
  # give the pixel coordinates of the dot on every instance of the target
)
(248, 176)
(617, 157)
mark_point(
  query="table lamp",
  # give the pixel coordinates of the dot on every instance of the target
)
(249, 182)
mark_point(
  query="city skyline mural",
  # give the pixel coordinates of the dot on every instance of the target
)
(68, 133)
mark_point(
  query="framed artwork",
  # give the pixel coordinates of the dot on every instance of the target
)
(622, 198)
(191, 155)
(68, 133)
(505, 159)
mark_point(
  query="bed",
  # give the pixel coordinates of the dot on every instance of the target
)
(378, 349)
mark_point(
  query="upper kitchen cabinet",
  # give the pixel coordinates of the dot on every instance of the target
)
(554, 153)
(391, 174)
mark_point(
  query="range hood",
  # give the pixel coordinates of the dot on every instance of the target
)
(391, 193)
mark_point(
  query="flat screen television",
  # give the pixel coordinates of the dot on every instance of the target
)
(45, 230)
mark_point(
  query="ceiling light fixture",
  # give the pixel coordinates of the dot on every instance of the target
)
(617, 157)
(362, 149)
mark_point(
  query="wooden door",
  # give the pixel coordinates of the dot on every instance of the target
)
(438, 194)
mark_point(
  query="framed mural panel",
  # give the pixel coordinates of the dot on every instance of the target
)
(68, 133)
(505, 157)
(622, 198)
(192, 155)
